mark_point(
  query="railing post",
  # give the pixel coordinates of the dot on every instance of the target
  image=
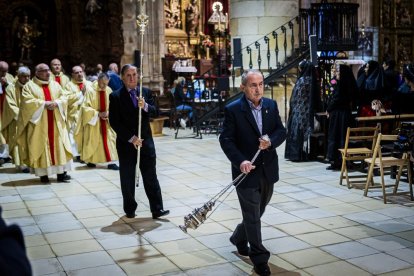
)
(249, 51)
(292, 39)
(259, 57)
(274, 34)
(266, 39)
(283, 28)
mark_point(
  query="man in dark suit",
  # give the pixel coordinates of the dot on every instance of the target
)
(246, 121)
(123, 117)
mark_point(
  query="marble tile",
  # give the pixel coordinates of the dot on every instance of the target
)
(405, 254)
(75, 247)
(408, 235)
(46, 266)
(179, 247)
(60, 226)
(122, 242)
(34, 240)
(386, 243)
(85, 260)
(349, 250)
(134, 254)
(322, 238)
(300, 227)
(379, 263)
(358, 232)
(334, 222)
(67, 236)
(308, 257)
(221, 269)
(366, 217)
(391, 226)
(196, 259)
(396, 212)
(40, 252)
(279, 218)
(150, 266)
(285, 244)
(312, 213)
(165, 235)
(105, 270)
(341, 268)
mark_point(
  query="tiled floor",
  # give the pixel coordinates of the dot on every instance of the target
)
(312, 226)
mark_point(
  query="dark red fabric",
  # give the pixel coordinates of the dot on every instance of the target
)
(102, 105)
(80, 86)
(208, 11)
(57, 78)
(2, 97)
(50, 124)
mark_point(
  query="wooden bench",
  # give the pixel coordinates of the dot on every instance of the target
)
(157, 124)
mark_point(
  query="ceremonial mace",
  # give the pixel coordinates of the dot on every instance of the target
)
(194, 219)
(142, 22)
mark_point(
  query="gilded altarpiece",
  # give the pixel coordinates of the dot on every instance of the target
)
(396, 30)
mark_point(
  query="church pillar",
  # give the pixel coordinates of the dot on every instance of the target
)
(153, 48)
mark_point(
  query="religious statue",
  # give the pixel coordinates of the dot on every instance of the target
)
(26, 34)
(92, 6)
(192, 17)
(172, 12)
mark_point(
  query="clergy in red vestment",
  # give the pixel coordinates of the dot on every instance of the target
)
(42, 134)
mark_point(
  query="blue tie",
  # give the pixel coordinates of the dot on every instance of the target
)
(132, 93)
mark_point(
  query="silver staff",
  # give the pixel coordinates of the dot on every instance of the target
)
(142, 22)
(199, 215)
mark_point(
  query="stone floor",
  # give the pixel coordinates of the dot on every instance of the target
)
(312, 226)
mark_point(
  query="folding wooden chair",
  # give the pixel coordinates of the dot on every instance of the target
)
(359, 145)
(378, 161)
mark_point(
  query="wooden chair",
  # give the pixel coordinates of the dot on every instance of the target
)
(166, 107)
(359, 145)
(381, 162)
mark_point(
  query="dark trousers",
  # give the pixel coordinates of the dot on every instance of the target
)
(253, 202)
(149, 178)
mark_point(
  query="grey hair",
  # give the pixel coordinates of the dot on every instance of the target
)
(247, 72)
(23, 70)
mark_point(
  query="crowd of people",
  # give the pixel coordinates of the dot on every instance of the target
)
(50, 120)
(373, 91)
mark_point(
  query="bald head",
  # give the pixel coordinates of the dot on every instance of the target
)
(42, 72)
(77, 73)
(56, 66)
(4, 68)
(113, 67)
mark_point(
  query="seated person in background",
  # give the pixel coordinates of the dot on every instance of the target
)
(180, 99)
(403, 101)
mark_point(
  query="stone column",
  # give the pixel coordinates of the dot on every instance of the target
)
(153, 48)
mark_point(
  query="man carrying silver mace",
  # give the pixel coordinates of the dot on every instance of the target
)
(131, 104)
(245, 121)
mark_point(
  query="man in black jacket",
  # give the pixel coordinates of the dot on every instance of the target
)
(246, 121)
(123, 117)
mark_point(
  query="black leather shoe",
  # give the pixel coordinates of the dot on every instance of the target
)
(44, 179)
(160, 213)
(262, 269)
(242, 249)
(63, 177)
(113, 167)
(130, 215)
(91, 165)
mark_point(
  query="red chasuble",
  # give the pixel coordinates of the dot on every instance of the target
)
(102, 103)
(50, 124)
